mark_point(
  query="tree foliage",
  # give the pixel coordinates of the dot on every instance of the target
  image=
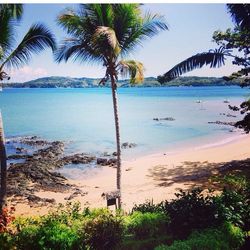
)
(233, 43)
(35, 40)
(105, 33)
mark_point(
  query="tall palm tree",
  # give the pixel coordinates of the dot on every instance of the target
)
(37, 39)
(104, 33)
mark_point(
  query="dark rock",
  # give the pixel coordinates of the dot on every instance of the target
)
(102, 161)
(228, 115)
(222, 123)
(36, 199)
(112, 161)
(164, 119)
(78, 159)
(75, 194)
(128, 145)
(20, 150)
(16, 157)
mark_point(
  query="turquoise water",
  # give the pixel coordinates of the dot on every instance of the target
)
(83, 118)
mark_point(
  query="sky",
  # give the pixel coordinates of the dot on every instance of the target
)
(191, 27)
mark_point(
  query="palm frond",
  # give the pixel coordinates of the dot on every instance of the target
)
(37, 39)
(1, 52)
(132, 68)
(71, 22)
(99, 14)
(76, 49)
(240, 14)
(149, 26)
(6, 30)
(214, 59)
(13, 10)
(109, 35)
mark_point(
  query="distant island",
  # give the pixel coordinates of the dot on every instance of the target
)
(84, 82)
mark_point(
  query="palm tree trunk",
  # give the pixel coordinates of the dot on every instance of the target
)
(3, 161)
(118, 144)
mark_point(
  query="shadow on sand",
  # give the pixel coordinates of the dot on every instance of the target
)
(196, 173)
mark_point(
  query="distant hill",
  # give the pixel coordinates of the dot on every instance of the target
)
(84, 82)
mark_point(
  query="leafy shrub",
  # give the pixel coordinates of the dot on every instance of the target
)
(6, 241)
(103, 230)
(234, 182)
(53, 235)
(191, 211)
(233, 235)
(65, 213)
(228, 237)
(146, 225)
(57, 230)
(233, 206)
(150, 207)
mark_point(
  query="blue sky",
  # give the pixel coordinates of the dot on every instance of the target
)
(190, 31)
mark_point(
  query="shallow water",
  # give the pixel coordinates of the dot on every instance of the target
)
(83, 118)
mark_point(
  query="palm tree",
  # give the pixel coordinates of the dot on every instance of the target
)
(213, 58)
(239, 39)
(104, 33)
(37, 39)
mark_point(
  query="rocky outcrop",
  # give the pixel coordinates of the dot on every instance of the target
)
(223, 123)
(37, 171)
(164, 119)
(78, 159)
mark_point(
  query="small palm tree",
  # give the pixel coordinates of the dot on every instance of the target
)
(37, 39)
(104, 33)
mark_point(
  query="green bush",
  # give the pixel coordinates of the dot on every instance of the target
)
(53, 235)
(57, 230)
(6, 241)
(233, 235)
(150, 207)
(228, 237)
(233, 206)
(235, 182)
(146, 225)
(191, 211)
(103, 230)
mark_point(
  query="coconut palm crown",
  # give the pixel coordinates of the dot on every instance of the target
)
(105, 33)
(35, 40)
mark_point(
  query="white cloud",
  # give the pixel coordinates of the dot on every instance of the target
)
(27, 73)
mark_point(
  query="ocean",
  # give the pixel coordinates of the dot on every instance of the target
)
(83, 118)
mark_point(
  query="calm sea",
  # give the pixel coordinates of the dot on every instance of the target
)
(83, 118)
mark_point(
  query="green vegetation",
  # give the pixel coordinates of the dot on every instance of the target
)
(84, 82)
(224, 238)
(193, 220)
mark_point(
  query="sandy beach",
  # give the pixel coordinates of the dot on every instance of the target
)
(154, 177)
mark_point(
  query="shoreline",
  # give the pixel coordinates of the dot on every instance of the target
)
(154, 177)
